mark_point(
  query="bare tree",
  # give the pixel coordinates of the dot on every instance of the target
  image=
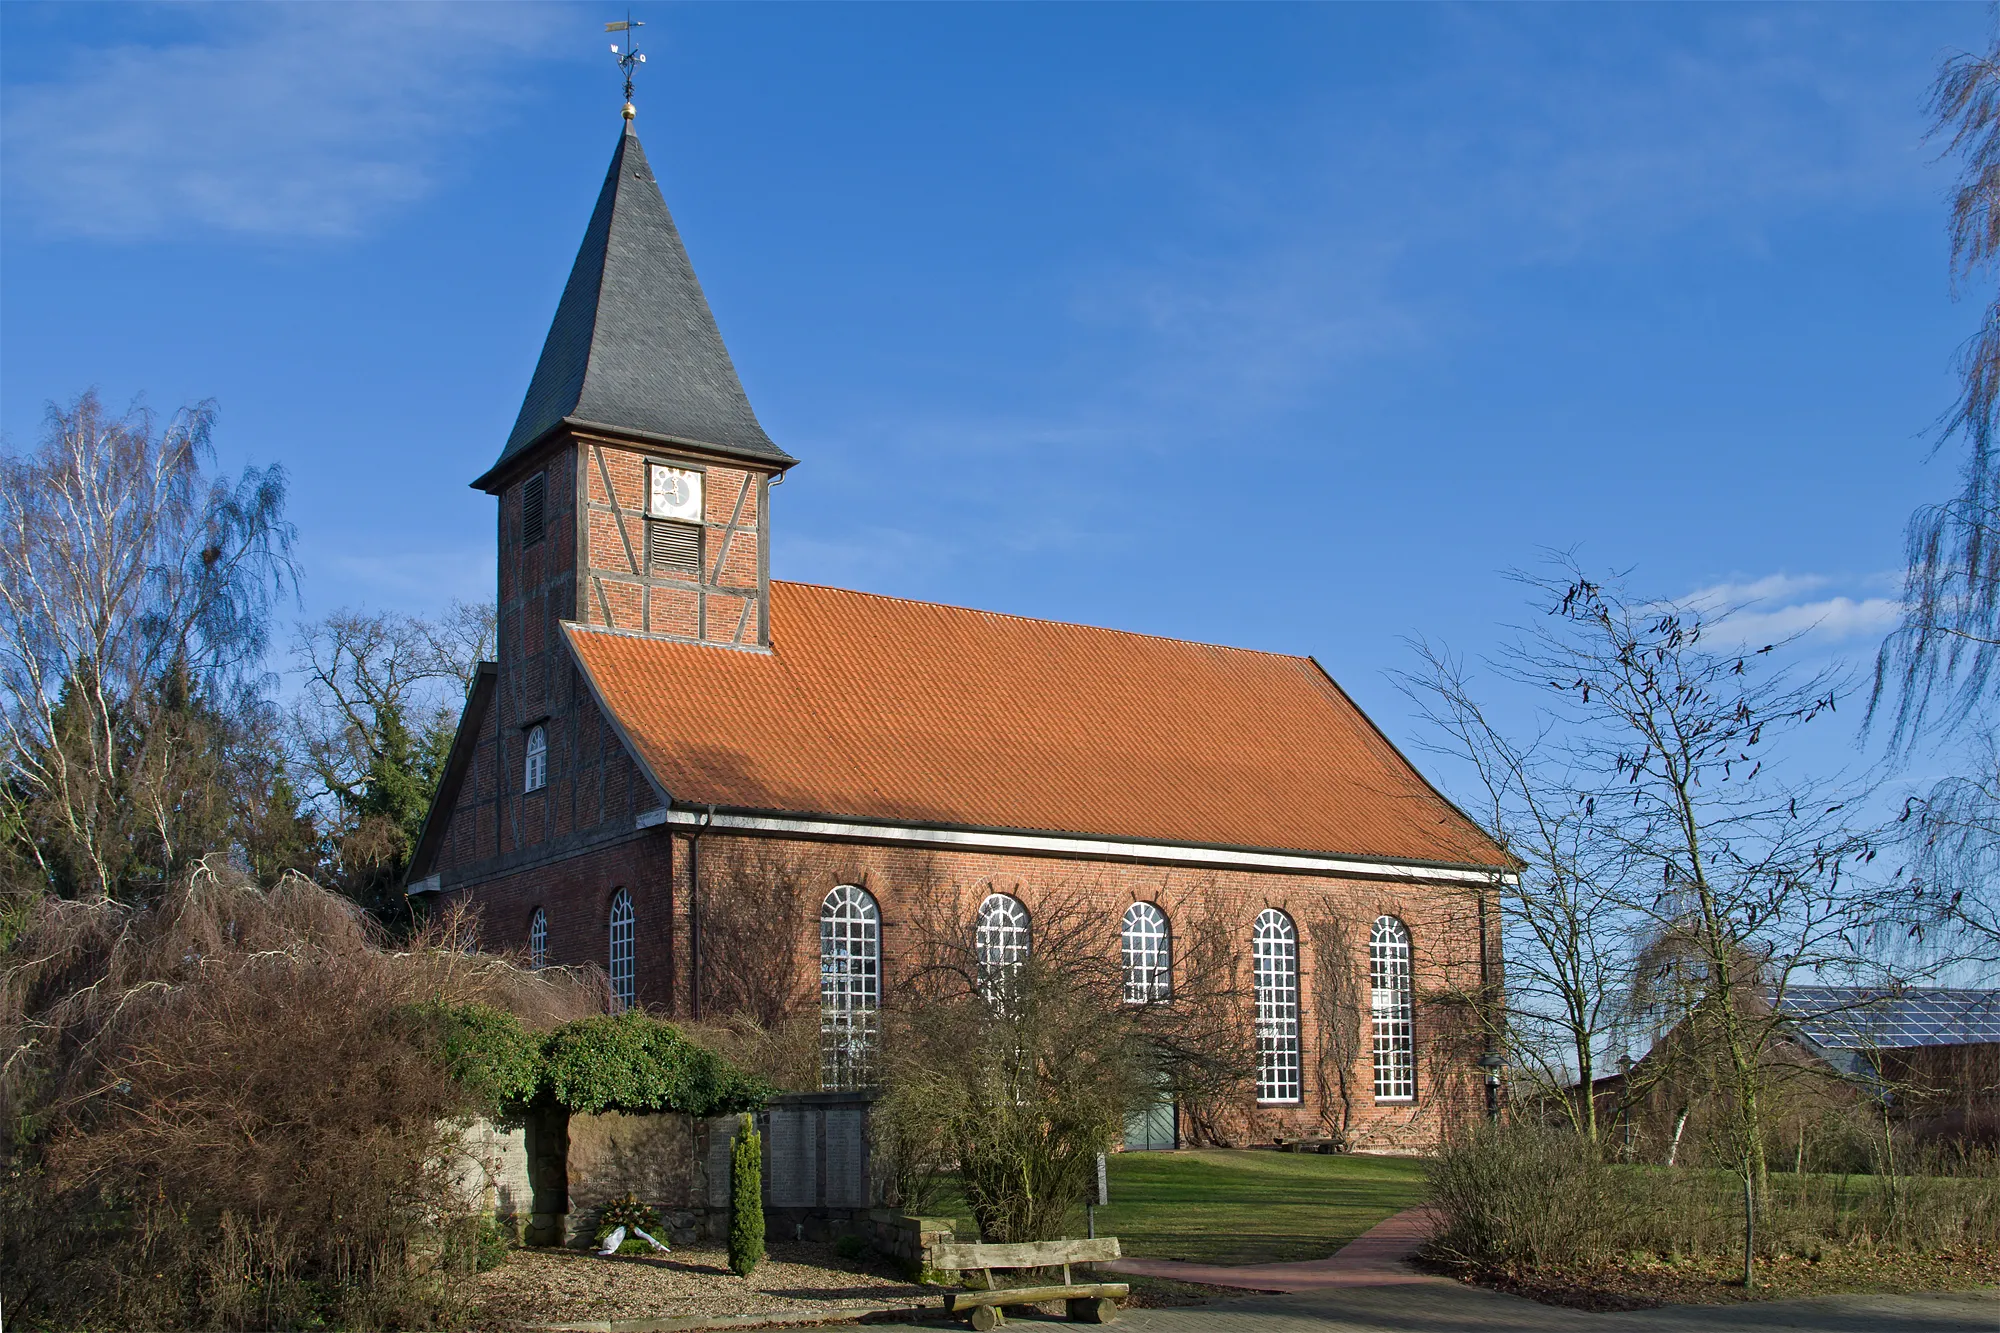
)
(1741, 873)
(1566, 927)
(136, 590)
(1668, 853)
(1015, 1071)
(373, 724)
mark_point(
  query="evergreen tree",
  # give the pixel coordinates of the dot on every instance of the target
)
(746, 1200)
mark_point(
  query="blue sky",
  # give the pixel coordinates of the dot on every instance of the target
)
(1287, 327)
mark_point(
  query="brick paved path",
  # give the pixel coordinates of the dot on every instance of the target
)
(1367, 1288)
(1373, 1259)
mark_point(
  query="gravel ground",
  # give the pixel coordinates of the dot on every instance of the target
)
(545, 1286)
(550, 1286)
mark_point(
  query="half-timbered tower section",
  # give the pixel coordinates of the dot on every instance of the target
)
(731, 792)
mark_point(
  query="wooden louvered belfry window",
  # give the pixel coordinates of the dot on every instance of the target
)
(673, 548)
(534, 508)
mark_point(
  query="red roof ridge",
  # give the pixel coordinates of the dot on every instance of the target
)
(1045, 620)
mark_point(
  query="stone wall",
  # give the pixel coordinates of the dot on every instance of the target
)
(817, 1176)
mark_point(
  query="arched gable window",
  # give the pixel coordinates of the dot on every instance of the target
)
(850, 987)
(1275, 959)
(1389, 990)
(1145, 943)
(538, 939)
(1000, 939)
(537, 774)
(624, 972)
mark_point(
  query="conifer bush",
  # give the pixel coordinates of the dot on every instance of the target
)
(746, 1200)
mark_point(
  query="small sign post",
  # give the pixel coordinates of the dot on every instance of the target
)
(1102, 1197)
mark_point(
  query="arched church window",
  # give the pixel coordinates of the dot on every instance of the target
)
(537, 775)
(850, 987)
(1391, 1009)
(538, 939)
(1275, 974)
(624, 971)
(1146, 945)
(1000, 939)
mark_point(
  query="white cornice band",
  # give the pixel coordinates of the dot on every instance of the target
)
(1119, 849)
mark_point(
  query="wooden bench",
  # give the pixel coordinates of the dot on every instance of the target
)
(1319, 1145)
(1085, 1302)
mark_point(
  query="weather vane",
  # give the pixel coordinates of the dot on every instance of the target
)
(629, 57)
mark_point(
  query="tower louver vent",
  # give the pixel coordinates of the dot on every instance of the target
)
(534, 501)
(673, 548)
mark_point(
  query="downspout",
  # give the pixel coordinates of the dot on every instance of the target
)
(1490, 1060)
(694, 914)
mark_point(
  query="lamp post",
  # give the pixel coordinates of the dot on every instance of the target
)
(1492, 1062)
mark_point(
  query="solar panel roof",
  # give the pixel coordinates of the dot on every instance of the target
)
(1855, 1017)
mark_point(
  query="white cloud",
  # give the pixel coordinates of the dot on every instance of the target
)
(1777, 607)
(1834, 619)
(269, 120)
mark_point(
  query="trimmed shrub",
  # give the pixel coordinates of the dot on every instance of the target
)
(488, 1051)
(631, 1062)
(746, 1200)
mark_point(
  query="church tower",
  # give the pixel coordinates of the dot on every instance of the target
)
(635, 484)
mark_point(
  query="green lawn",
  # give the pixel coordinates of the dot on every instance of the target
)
(1243, 1207)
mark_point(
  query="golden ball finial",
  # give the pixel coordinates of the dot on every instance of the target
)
(629, 111)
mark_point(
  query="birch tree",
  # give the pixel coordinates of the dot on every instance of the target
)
(136, 593)
(1935, 677)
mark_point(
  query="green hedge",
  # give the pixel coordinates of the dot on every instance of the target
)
(627, 1062)
(487, 1050)
(634, 1063)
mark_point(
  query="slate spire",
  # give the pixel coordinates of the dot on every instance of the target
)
(633, 349)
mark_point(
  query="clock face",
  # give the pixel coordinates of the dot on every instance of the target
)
(675, 493)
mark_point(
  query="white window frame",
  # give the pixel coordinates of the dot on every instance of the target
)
(1146, 947)
(538, 940)
(1002, 936)
(535, 775)
(1274, 951)
(1392, 1011)
(623, 924)
(850, 987)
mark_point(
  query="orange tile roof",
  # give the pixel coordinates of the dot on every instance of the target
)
(880, 708)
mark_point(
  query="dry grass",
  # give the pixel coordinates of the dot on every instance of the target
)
(1535, 1209)
(223, 1113)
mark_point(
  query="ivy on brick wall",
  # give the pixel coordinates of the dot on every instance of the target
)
(630, 1062)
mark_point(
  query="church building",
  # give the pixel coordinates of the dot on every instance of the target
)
(663, 713)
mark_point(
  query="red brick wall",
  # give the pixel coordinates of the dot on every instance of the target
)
(575, 893)
(727, 603)
(594, 789)
(1443, 928)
